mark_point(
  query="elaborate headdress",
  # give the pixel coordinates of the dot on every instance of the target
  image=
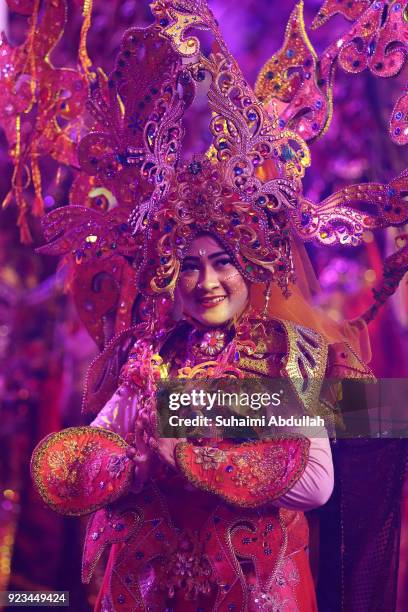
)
(135, 205)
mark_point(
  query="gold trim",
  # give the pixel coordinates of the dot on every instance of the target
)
(183, 463)
(41, 450)
(307, 388)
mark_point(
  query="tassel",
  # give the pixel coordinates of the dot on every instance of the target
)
(38, 205)
(84, 58)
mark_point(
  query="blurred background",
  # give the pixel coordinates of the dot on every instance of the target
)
(44, 350)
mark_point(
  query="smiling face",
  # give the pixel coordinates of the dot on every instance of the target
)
(211, 289)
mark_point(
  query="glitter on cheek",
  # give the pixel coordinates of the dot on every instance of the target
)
(233, 275)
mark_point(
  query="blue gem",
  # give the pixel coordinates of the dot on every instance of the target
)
(122, 159)
(139, 555)
(371, 47)
(119, 527)
(136, 124)
(226, 587)
(396, 7)
(185, 78)
(397, 131)
(319, 104)
(232, 607)
(281, 123)
(155, 522)
(195, 168)
(269, 75)
(164, 22)
(229, 469)
(391, 191)
(257, 244)
(315, 126)
(159, 535)
(287, 153)
(377, 6)
(238, 171)
(168, 227)
(246, 540)
(252, 116)
(235, 222)
(163, 260)
(398, 116)
(290, 53)
(223, 145)
(121, 599)
(261, 200)
(305, 218)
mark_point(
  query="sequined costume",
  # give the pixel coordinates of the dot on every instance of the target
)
(217, 533)
(221, 532)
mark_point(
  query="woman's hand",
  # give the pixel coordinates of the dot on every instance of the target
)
(143, 459)
(166, 447)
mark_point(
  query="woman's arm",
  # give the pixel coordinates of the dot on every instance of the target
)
(119, 413)
(315, 486)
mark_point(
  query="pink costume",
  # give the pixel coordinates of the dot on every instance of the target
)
(312, 489)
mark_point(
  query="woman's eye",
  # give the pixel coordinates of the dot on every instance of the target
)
(222, 263)
(189, 267)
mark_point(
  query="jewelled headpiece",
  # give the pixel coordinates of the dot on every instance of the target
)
(136, 205)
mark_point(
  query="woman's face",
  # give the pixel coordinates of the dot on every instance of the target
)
(211, 289)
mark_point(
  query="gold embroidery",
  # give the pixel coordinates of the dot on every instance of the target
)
(183, 462)
(255, 365)
(209, 457)
(306, 363)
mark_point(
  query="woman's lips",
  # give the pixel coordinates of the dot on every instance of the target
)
(211, 301)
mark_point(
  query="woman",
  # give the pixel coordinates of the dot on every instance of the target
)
(205, 493)
(198, 524)
(217, 524)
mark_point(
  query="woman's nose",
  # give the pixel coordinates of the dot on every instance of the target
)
(208, 278)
